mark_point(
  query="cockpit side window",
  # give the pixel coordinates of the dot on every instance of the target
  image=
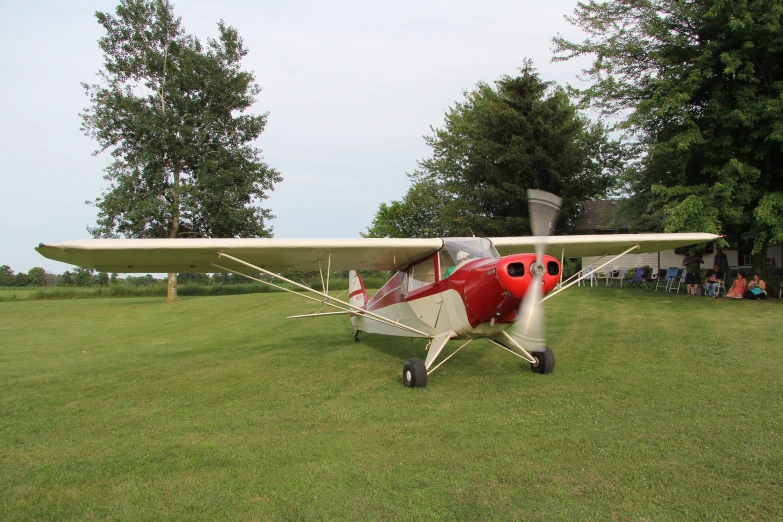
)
(446, 264)
(422, 274)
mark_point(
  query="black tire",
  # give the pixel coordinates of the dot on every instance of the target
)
(414, 373)
(546, 360)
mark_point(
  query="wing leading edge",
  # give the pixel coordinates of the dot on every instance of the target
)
(280, 255)
(277, 255)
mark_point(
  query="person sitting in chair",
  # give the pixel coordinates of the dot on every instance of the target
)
(713, 280)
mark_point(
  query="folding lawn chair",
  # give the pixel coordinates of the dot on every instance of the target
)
(680, 280)
(666, 281)
(638, 279)
(720, 290)
(588, 274)
(619, 275)
(605, 274)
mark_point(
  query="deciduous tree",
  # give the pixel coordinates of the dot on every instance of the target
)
(65, 279)
(172, 112)
(418, 214)
(83, 276)
(699, 87)
(21, 279)
(36, 277)
(6, 276)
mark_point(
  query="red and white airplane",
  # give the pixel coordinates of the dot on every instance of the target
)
(443, 289)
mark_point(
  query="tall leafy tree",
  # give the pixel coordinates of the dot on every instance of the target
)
(65, 279)
(6, 276)
(172, 112)
(416, 215)
(21, 279)
(522, 132)
(699, 87)
(83, 276)
(36, 276)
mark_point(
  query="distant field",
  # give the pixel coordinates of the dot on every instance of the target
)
(662, 407)
(28, 293)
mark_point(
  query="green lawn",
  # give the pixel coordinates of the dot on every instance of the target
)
(662, 407)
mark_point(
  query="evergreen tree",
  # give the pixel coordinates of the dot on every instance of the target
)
(521, 133)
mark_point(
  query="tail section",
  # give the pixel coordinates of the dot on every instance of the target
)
(357, 295)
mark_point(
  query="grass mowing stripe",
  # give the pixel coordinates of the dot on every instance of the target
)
(661, 407)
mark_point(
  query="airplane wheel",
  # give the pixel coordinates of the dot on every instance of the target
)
(546, 360)
(414, 373)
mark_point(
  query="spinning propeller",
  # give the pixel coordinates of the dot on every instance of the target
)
(529, 329)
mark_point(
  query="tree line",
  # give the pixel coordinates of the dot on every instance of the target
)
(685, 127)
(686, 130)
(87, 277)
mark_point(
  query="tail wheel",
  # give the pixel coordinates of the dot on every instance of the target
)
(414, 373)
(545, 360)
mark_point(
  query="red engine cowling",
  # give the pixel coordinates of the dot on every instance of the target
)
(515, 273)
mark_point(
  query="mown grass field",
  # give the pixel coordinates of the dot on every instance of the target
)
(662, 407)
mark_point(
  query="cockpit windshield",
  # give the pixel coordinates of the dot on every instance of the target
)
(458, 251)
(474, 247)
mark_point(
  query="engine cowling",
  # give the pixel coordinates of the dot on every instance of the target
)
(515, 273)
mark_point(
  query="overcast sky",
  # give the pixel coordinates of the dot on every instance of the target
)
(351, 88)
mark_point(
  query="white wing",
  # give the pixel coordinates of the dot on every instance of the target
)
(597, 245)
(276, 255)
(279, 255)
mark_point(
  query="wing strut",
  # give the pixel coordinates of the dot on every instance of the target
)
(583, 271)
(321, 272)
(572, 283)
(327, 299)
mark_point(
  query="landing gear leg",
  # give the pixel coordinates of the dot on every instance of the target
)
(356, 336)
(545, 360)
(414, 373)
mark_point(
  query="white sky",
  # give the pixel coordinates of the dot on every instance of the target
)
(351, 88)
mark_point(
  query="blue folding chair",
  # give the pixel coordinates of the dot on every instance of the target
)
(668, 280)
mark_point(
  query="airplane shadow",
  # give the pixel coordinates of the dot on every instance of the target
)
(403, 348)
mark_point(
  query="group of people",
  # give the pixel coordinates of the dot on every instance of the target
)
(756, 288)
(741, 288)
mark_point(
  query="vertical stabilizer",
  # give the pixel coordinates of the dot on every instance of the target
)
(357, 295)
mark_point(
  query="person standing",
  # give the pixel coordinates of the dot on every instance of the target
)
(722, 260)
(692, 264)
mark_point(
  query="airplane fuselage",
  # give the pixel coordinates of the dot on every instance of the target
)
(479, 299)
